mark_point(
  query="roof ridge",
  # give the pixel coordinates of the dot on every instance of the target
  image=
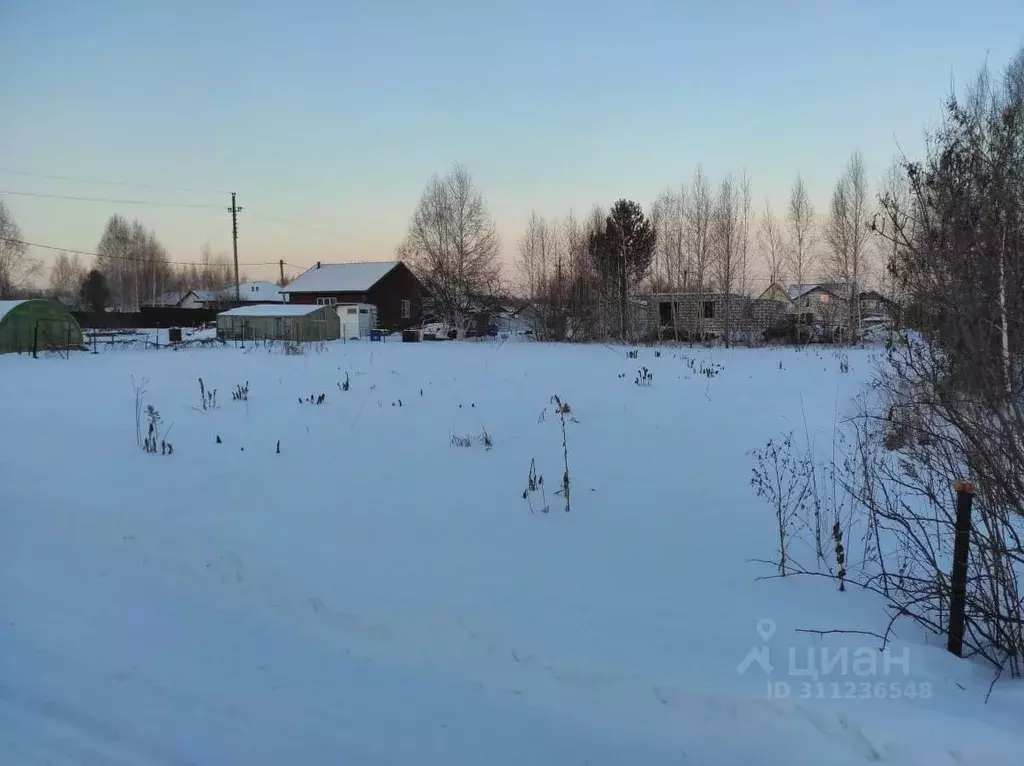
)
(350, 263)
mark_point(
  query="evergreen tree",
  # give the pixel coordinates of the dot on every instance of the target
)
(622, 251)
(95, 291)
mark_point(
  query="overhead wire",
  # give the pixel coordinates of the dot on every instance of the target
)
(155, 203)
(122, 257)
(10, 172)
(112, 201)
(258, 214)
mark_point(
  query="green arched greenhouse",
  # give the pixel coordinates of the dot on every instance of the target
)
(37, 324)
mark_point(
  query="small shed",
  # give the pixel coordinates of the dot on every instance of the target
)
(357, 319)
(279, 321)
(39, 324)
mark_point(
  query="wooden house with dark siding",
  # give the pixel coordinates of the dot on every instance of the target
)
(389, 285)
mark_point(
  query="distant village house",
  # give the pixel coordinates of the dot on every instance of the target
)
(390, 286)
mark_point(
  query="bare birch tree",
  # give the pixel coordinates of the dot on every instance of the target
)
(661, 219)
(113, 258)
(66, 276)
(896, 199)
(802, 239)
(134, 261)
(681, 253)
(605, 294)
(672, 270)
(215, 271)
(746, 221)
(746, 218)
(529, 262)
(582, 290)
(17, 267)
(727, 223)
(557, 258)
(454, 247)
(540, 270)
(699, 209)
(773, 246)
(667, 214)
(847, 234)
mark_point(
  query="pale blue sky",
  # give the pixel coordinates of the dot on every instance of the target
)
(333, 115)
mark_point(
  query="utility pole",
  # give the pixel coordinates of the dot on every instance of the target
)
(235, 210)
(281, 266)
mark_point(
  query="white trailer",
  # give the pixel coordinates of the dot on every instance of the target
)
(357, 319)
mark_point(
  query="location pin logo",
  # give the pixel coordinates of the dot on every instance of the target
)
(765, 629)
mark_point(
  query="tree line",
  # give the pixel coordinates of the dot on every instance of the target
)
(131, 268)
(578, 274)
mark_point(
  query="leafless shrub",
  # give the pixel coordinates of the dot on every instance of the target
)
(782, 478)
(900, 469)
(140, 397)
(564, 415)
(535, 485)
(949, 404)
(154, 441)
(209, 398)
(241, 393)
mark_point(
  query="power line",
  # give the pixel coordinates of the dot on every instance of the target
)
(7, 171)
(122, 257)
(80, 179)
(203, 206)
(112, 201)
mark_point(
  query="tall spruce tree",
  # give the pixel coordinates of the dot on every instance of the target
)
(622, 252)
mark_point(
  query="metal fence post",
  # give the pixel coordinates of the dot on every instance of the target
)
(958, 577)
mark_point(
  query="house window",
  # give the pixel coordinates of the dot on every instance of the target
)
(352, 311)
(326, 301)
(362, 311)
(709, 309)
(406, 308)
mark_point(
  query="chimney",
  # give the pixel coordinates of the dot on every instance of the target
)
(318, 264)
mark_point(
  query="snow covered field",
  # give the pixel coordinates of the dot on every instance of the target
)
(372, 594)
